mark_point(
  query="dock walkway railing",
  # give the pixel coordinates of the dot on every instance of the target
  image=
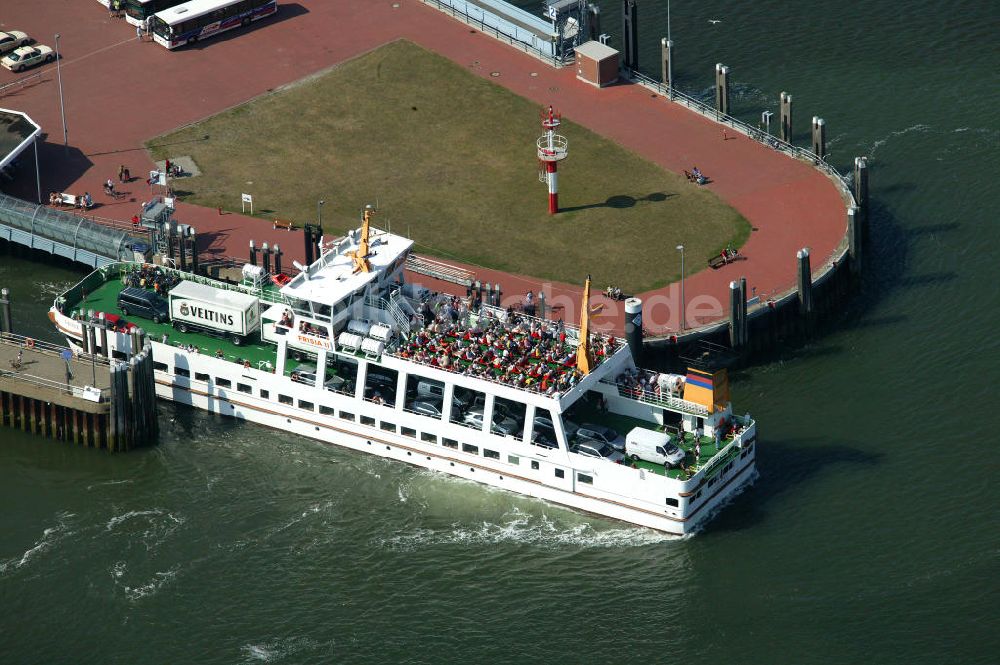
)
(755, 133)
(39, 347)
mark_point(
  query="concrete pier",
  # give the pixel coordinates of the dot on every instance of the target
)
(84, 398)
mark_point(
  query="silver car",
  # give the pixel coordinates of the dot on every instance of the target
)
(501, 424)
(601, 434)
(569, 427)
(598, 450)
(426, 407)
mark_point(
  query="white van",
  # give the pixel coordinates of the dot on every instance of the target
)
(652, 446)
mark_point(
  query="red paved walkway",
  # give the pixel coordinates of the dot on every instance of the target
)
(120, 92)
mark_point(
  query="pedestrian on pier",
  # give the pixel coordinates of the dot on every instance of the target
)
(138, 32)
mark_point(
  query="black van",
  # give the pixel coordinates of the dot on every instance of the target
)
(147, 304)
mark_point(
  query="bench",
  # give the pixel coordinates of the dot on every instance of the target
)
(70, 200)
(283, 224)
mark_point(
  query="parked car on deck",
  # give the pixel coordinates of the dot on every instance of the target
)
(601, 434)
(13, 39)
(597, 449)
(27, 56)
(501, 424)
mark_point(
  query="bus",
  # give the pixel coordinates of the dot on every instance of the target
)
(137, 11)
(197, 19)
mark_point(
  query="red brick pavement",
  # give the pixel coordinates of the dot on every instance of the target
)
(120, 92)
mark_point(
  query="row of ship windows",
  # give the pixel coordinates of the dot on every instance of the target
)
(368, 420)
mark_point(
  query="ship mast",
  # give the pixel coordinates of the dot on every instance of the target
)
(583, 350)
(360, 255)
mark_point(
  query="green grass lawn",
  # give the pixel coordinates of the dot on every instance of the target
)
(449, 158)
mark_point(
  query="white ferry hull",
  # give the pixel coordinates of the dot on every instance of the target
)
(393, 446)
(618, 494)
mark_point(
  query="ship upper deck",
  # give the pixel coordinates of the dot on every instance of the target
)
(332, 277)
(502, 346)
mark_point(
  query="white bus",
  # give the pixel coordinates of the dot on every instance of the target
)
(137, 11)
(198, 19)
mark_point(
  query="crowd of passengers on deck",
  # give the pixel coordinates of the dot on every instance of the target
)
(512, 349)
(637, 382)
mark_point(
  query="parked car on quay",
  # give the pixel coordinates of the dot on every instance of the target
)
(27, 56)
(13, 39)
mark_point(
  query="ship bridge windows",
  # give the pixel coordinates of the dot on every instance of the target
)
(380, 385)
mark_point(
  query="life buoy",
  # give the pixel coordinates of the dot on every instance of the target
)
(246, 363)
(29, 343)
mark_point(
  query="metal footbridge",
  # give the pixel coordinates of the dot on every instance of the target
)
(62, 233)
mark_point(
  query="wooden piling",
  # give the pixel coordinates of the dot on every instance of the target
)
(6, 322)
(819, 137)
(630, 35)
(735, 334)
(722, 89)
(805, 282)
(854, 240)
(861, 189)
(786, 117)
(667, 59)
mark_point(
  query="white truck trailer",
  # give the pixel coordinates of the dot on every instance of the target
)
(200, 308)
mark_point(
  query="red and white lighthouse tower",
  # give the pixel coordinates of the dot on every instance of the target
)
(552, 149)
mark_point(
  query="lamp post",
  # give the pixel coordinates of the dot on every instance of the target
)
(680, 248)
(319, 212)
(62, 106)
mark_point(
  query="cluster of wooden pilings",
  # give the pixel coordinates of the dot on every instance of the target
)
(133, 419)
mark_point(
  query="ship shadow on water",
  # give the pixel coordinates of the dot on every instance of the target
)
(782, 466)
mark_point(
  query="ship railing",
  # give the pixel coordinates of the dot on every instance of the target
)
(394, 352)
(266, 295)
(657, 399)
(755, 133)
(378, 302)
(438, 270)
(572, 332)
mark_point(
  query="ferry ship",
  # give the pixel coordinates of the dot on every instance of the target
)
(348, 353)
